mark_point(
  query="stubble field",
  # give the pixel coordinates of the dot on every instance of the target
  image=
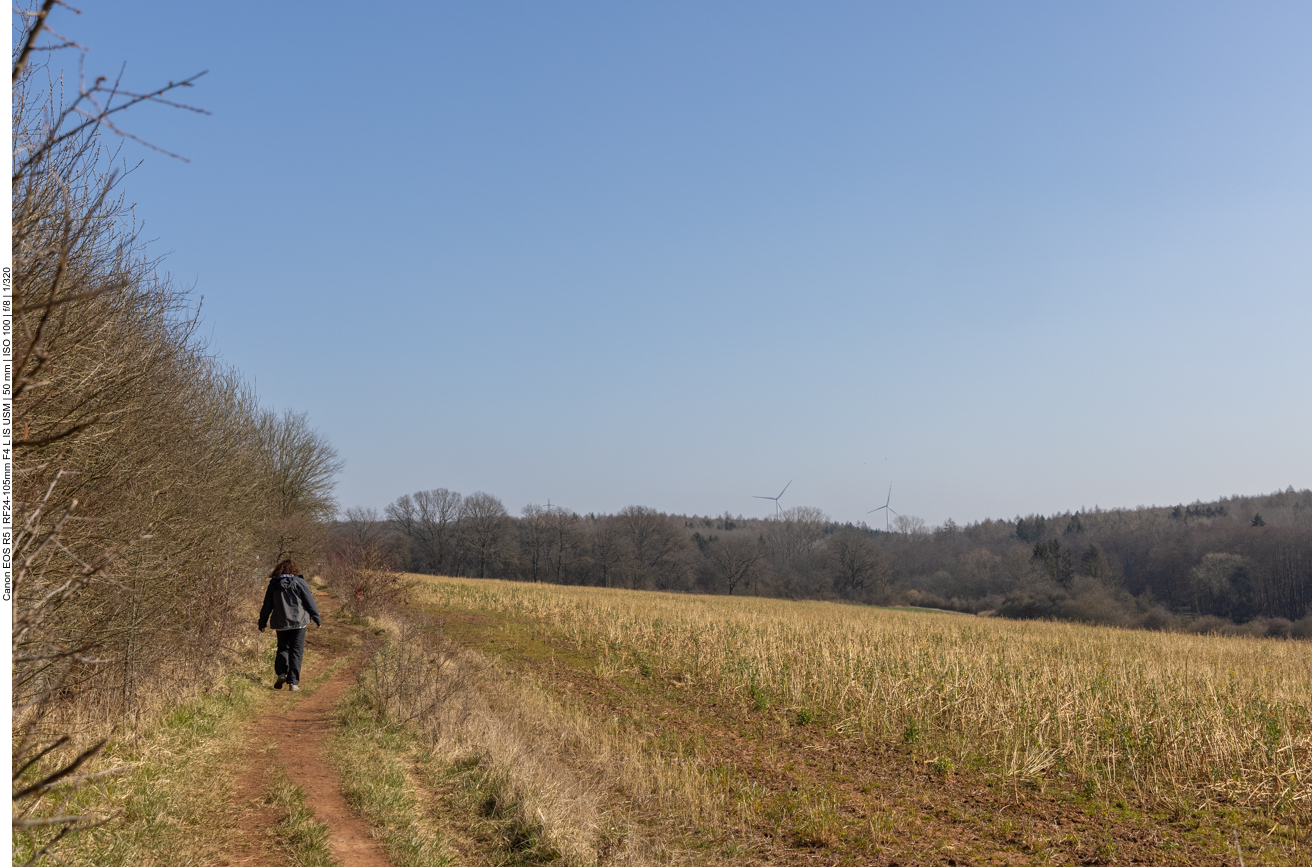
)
(780, 731)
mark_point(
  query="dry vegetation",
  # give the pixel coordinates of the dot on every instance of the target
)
(1158, 717)
(530, 778)
(149, 484)
(1147, 721)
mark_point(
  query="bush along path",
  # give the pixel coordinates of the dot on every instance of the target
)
(289, 799)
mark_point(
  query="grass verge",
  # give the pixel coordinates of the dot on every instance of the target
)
(435, 743)
(374, 760)
(169, 805)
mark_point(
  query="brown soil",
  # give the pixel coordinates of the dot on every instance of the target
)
(293, 735)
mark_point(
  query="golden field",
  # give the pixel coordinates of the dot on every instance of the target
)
(1155, 717)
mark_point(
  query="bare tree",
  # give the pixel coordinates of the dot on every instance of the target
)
(858, 563)
(302, 465)
(982, 572)
(735, 557)
(534, 541)
(436, 514)
(428, 519)
(300, 470)
(910, 525)
(483, 525)
(364, 526)
(606, 547)
(793, 535)
(565, 539)
(651, 539)
(401, 513)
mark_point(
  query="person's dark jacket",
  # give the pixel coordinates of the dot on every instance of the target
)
(289, 604)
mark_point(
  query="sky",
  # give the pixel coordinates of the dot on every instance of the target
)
(1005, 258)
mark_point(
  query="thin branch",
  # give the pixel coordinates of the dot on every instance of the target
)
(32, 442)
(41, 755)
(100, 116)
(37, 25)
(61, 773)
(45, 850)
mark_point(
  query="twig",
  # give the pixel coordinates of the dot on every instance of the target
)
(61, 773)
(29, 44)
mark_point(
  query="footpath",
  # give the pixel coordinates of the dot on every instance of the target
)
(291, 737)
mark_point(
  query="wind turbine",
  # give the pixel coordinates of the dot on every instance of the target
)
(777, 509)
(886, 508)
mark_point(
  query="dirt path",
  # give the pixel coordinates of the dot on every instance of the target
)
(293, 734)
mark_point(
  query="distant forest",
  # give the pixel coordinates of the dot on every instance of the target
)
(1242, 564)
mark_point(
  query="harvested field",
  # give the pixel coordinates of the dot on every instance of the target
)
(793, 729)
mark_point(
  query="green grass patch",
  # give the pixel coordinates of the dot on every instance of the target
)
(303, 838)
(514, 638)
(373, 759)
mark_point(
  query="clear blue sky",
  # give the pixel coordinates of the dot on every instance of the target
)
(1006, 257)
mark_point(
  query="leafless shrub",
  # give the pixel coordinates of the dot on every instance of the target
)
(417, 679)
(360, 572)
(144, 466)
(45, 768)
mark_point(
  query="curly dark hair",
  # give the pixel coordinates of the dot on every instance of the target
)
(285, 567)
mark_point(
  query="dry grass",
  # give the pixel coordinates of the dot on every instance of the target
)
(540, 778)
(1156, 718)
(169, 803)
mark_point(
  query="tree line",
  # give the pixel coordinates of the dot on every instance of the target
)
(1238, 561)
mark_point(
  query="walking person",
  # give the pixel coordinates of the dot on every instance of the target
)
(288, 607)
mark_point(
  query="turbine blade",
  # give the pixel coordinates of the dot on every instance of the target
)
(781, 493)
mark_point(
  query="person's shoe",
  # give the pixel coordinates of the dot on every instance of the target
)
(277, 684)
(294, 688)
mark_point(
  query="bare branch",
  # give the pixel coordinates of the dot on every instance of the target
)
(61, 773)
(35, 26)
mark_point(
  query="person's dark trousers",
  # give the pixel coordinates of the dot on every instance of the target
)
(291, 647)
